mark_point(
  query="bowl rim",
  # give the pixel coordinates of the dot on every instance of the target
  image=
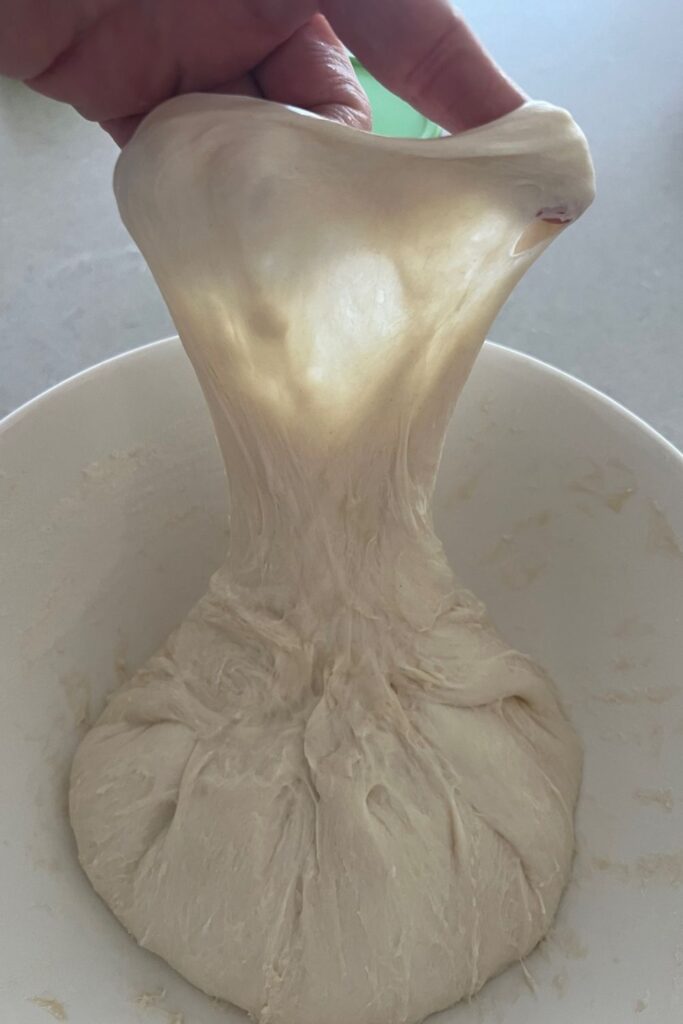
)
(594, 395)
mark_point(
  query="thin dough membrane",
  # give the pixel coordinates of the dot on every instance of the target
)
(335, 796)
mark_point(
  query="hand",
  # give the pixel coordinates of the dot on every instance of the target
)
(115, 60)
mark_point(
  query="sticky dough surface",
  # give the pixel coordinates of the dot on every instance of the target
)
(335, 796)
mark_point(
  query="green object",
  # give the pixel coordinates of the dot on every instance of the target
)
(391, 115)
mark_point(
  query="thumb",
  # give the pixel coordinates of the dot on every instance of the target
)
(423, 51)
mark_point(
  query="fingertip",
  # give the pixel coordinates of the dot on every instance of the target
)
(312, 70)
(121, 129)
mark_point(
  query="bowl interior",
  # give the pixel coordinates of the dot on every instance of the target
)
(563, 512)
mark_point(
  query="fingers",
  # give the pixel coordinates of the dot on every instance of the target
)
(34, 32)
(312, 70)
(115, 60)
(424, 52)
(135, 55)
(121, 128)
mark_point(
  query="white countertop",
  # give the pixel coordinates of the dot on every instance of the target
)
(605, 303)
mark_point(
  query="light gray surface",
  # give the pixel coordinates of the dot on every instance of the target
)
(605, 303)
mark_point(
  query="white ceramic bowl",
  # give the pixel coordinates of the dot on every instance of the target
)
(561, 510)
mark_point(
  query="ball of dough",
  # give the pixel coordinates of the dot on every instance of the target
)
(321, 840)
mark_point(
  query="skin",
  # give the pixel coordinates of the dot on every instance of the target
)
(114, 60)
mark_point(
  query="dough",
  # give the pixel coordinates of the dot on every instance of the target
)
(335, 796)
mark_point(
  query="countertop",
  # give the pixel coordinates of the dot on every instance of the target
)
(605, 303)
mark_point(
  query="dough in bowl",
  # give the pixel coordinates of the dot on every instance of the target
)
(336, 795)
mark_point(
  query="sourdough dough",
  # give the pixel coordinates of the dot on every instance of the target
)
(335, 796)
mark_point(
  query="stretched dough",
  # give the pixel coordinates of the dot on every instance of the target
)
(335, 796)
